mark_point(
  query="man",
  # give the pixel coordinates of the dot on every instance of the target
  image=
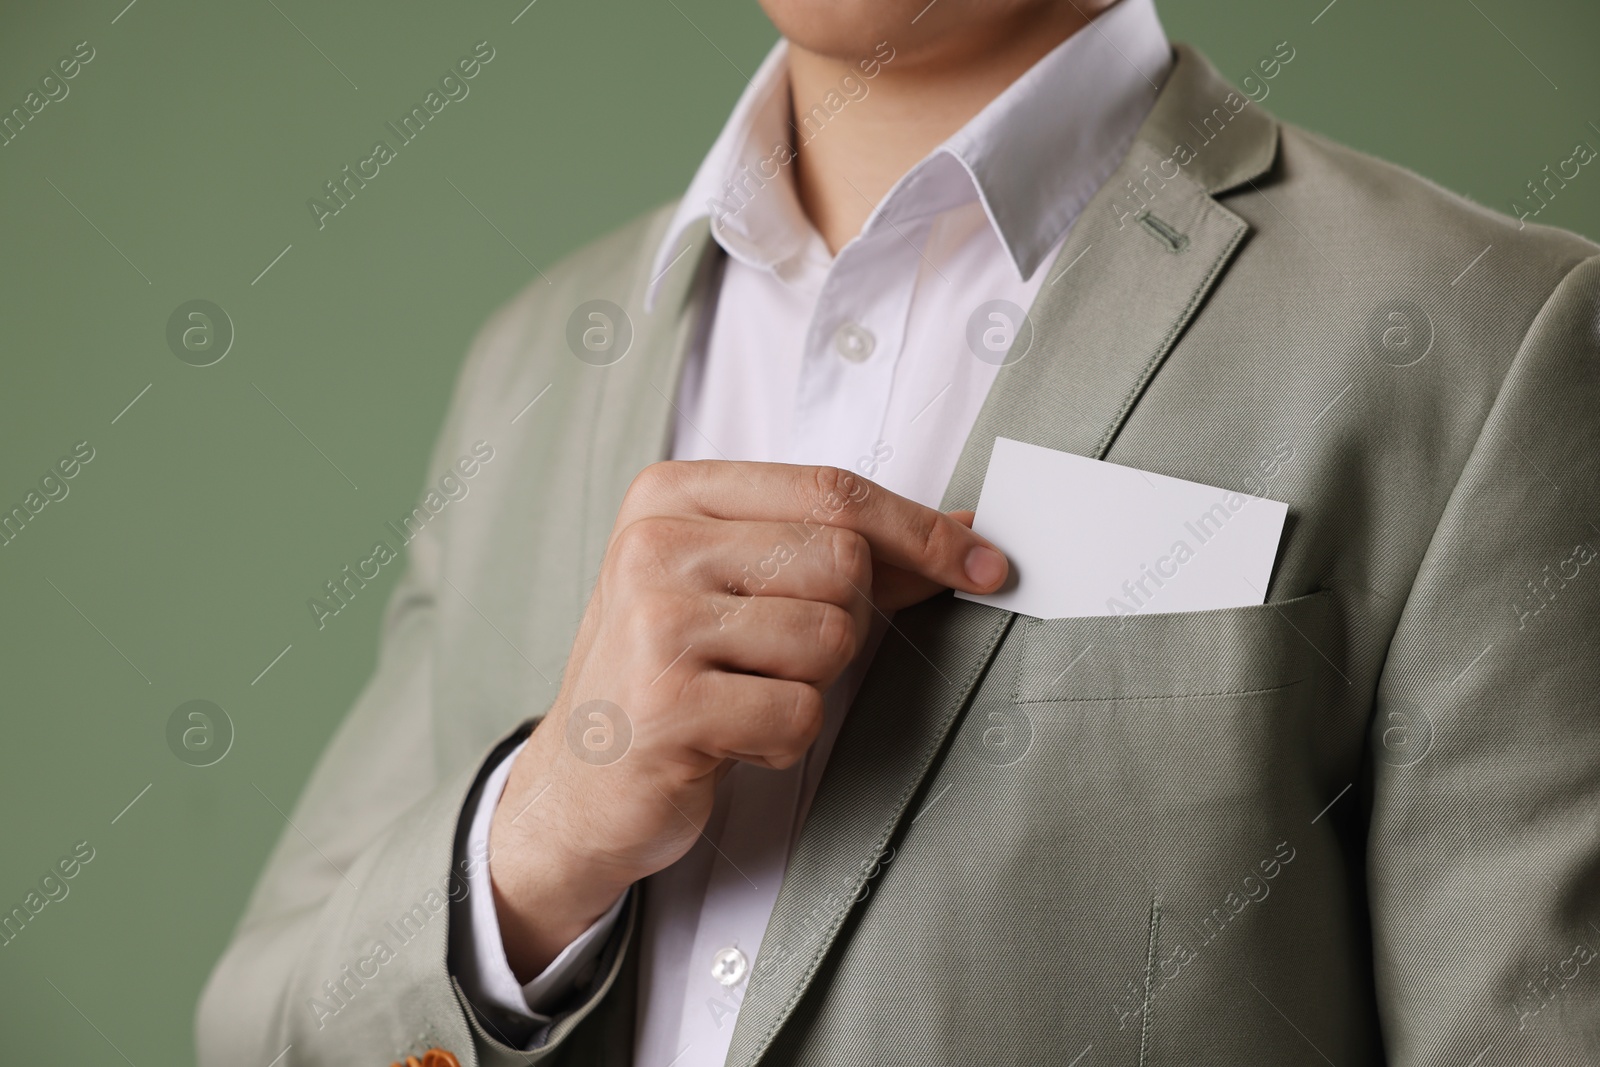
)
(790, 801)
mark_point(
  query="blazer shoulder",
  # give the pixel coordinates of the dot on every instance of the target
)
(612, 267)
(1356, 236)
(1390, 206)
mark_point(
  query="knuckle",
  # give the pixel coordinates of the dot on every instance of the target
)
(799, 721)
(852, 557)
(652, 483)
(808, 714)
(644, 545)
(832, 491)
(824, 478)
(836, 632)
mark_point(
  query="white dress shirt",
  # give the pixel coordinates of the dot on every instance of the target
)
(876, 360)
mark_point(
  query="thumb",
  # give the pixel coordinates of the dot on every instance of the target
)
(894, 587)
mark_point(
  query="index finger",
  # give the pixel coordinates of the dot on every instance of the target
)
(900, 532)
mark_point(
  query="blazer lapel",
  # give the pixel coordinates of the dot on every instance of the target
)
(1130, 276)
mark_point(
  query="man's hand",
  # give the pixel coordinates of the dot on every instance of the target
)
(731, 596)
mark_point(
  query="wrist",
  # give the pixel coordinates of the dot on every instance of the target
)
(544, 902)
(547, 890)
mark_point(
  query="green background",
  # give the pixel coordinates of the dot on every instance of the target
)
(179, 565)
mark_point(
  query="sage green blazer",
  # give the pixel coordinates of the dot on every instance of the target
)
(1358, 824)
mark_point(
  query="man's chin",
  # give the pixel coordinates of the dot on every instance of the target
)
(846, 29)
(920, 32)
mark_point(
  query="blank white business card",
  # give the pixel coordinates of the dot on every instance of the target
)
(1086, 537)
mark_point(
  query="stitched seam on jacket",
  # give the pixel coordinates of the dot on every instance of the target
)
(1169, 696)
(1171, 337)
(1149, 982)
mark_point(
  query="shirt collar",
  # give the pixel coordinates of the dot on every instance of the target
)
(1033, 156)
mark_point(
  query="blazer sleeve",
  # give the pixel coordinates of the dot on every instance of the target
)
(342, 954)
(1484, 842)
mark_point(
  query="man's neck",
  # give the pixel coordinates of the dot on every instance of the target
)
(913, 104)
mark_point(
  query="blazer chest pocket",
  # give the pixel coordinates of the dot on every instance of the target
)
(1192, 653)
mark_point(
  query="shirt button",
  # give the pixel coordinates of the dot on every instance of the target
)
(729, 966)
(853, 342)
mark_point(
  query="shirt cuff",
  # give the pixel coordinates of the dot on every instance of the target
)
(484, 972)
